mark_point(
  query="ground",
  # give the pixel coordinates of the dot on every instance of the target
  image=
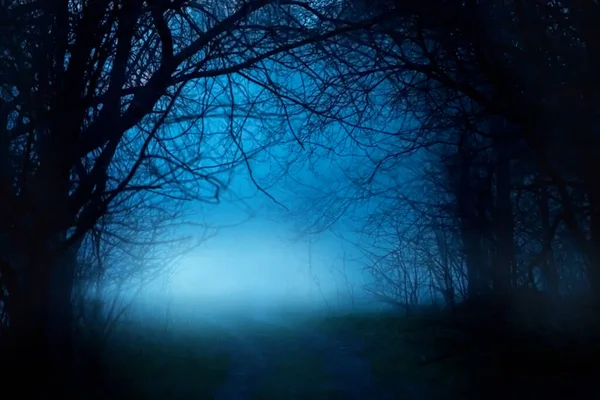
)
(350, 356)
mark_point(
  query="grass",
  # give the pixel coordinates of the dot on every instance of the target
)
(296, 370)
(296, 375)
(395, 347)
(440, 358)
(145, 362)
(451, 359)
(399, 350)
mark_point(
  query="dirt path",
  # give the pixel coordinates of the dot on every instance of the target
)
(248, 365)
(259, 348)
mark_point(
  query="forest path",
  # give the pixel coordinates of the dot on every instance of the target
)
(278, 359)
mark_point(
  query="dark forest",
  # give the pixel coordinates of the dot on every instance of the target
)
(449, 146)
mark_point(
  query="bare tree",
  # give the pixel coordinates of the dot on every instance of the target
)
(500, 97)
(102, 100)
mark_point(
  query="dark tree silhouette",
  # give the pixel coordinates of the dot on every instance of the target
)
(497, 104)
(503, 95)
(101, 100)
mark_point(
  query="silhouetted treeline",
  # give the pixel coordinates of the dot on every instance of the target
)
(504, 95)
(105, 108)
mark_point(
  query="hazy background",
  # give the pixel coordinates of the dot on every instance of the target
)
(263, 260)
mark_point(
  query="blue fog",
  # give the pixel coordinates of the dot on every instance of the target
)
(283, 236)
(260, 259)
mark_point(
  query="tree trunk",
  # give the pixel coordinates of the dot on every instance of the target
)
(593, 270)
(549, 272)
(447, 283)
(40, 318)
(471, 235)
(503, 222)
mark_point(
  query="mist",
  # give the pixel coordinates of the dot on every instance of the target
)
(255, 271)
(257, 199)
